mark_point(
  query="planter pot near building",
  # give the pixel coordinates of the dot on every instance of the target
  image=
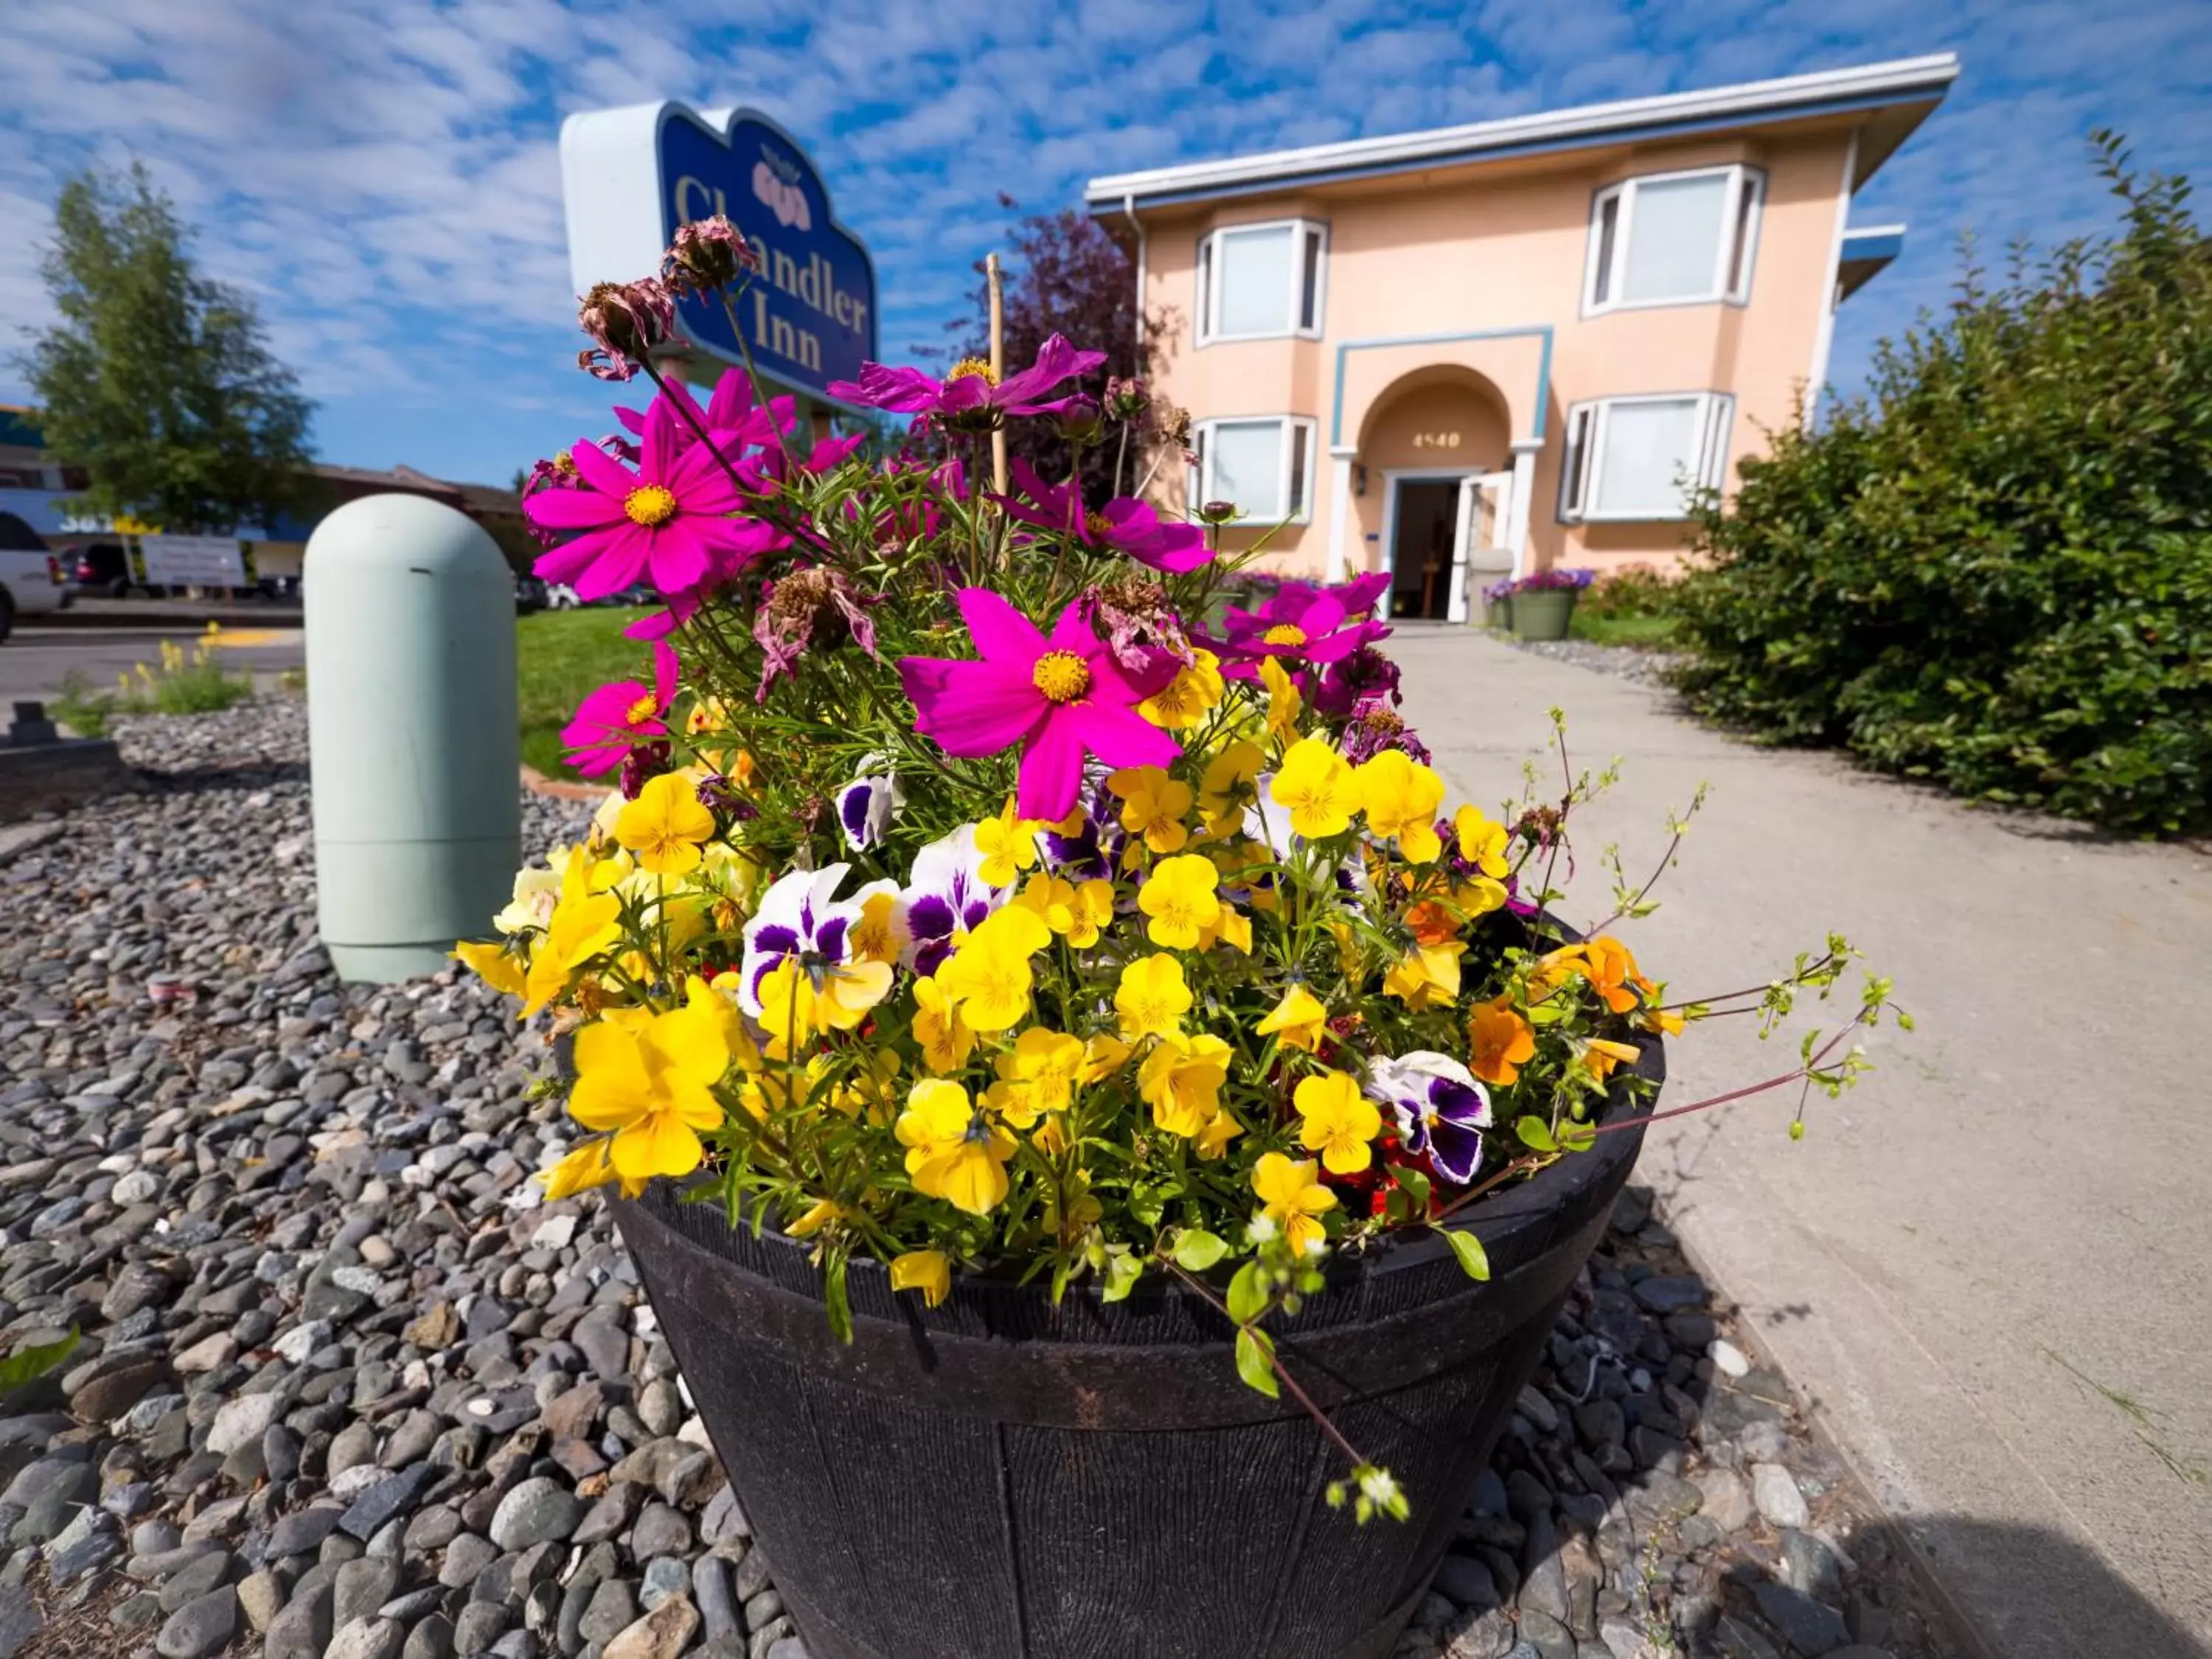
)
(1000, 1478)
(1498, 613)
(1543, 613)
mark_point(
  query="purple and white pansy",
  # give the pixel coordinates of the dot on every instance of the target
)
(947, 899)
(864, 811)
(801, 917)
(1440, 1109)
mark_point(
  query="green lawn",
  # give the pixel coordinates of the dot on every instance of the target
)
(559, 656)
(1639, 633)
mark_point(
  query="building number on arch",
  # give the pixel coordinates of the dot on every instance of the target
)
(1435, 441)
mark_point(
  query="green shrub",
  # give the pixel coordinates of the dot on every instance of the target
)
(1633, 590)
(1995, 569)
(192, 682)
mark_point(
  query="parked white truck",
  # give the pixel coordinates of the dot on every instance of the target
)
(30, 580)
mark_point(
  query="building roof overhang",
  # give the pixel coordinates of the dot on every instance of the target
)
(1892, 97)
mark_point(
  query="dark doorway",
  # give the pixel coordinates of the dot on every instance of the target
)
(1421, 548)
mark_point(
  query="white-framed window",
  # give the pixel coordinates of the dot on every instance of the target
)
(1261, 281)
(1638, 460)
(1674, 239)
(1261, 464)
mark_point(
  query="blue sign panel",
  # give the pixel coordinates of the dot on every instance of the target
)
(809, 315)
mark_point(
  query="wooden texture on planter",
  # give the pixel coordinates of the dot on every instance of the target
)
(1001, 1479)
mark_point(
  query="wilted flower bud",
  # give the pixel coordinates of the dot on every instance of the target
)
(708, 255)
(1218, 512)
(645, 761)
(628, 320)
(1377, 729)
(1078, 420)
(719, 794)
(1125, 398)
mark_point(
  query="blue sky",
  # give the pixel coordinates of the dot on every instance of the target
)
(383, 177)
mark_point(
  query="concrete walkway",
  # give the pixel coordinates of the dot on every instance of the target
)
(1990, 1267)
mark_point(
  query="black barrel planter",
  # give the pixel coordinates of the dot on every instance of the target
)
(1000, 1478)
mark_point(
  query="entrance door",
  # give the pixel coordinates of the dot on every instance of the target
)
(1424, 519)
(1479, 555)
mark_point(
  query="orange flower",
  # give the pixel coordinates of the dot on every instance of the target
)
(1499, 1041)
(1432, 922)
(1604, 962)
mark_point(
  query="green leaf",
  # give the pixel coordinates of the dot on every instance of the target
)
(1577, 1137)
(834, 1300)
(1535, 1133)
(1415, 1186)
(1472, 1256)
(28, 1365)
(1247, 1297)
(1123, 1270)
(1252, 1348)
(1197, 1249)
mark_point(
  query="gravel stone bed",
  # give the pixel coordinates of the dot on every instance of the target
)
(1622, 661)
(346, 1387)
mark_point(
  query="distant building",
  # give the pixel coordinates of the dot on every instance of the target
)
(1510, 345)
(36, 489)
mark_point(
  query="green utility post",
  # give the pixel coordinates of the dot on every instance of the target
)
(412, 732)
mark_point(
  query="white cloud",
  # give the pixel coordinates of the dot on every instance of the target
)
(383, 176)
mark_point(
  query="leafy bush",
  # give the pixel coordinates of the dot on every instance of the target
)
(1634, 590)
(1995, 569)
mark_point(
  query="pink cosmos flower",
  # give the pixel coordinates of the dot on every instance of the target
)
(1060, 698)
(1124, 524)
(620, 715)
(970, 395)
(735, 422)
(1302, 626)
(668, 521)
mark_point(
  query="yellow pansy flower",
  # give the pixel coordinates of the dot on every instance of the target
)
(587, 1167)
(1196, 688)
(1008, 844)
(1180, 1080)
(1284, 701)
(1153, 806)
(1232, 928)
(1426, 977)
(1080, 910)
(1037, 1076)
(797, 1000)
(954, 1151)
(1228, 786)
(1299, 1019)
(989, 977)
(1213, 1139)
(504, 973)
(1152, 998)
(929, 1271)
(1318, 790)
(664, 825)
(820, 1214)
(878, 936)
(584, 924)
(1292, 1197)
(1402, 798)
(1482, 842)
(1180, 898)
(943, 1037)
(650, 1082)
(1337, 1120)
(1101, 1057)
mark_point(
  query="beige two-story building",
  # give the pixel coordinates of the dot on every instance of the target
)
(1515, 344)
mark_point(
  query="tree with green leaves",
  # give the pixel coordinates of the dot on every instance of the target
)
(156, 380)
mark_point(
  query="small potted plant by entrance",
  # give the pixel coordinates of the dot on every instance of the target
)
(1105, 1138)
(1544, 602)
(1497, 604)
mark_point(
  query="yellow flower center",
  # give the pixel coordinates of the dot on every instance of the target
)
(975, 366)
(650, 505)
(1062, 676)
(1097, 525)
(1283, 634)
(640, 711)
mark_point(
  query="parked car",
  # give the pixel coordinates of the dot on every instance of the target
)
(560, 596)
(101, 568)
(530, 594)
(31, 581)
(635, 593)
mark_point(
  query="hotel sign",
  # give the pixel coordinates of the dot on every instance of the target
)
(632, 176)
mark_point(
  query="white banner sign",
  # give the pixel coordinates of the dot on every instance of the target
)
(193, 561)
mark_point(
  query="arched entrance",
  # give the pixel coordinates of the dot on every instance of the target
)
(1437, 451)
